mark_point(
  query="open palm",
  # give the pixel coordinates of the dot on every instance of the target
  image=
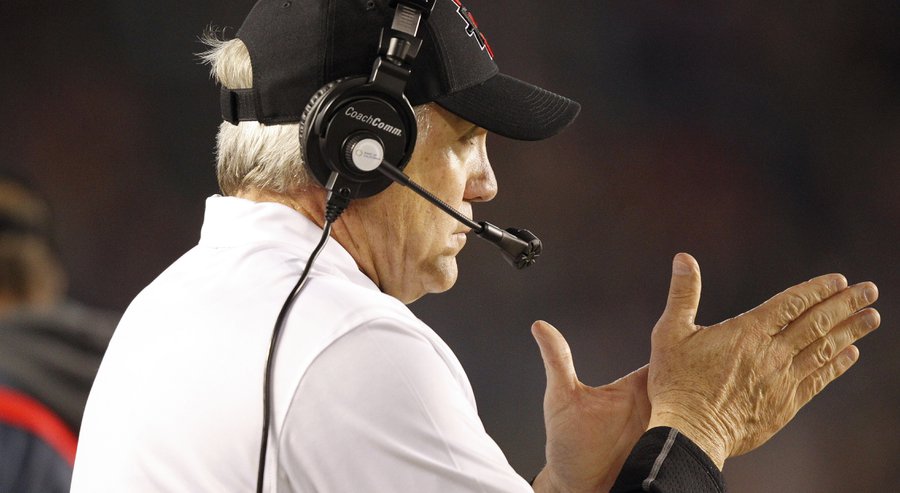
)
(590, 430)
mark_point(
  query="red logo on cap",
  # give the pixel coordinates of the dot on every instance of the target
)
(472, 28)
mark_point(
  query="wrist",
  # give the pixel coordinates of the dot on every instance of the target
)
(713, 444)
(543, 482)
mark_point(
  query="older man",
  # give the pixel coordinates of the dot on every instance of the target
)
(362, 395)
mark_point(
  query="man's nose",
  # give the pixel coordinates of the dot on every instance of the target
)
(482, 184)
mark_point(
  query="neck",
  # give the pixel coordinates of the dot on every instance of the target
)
(302, 201)
(310, 202)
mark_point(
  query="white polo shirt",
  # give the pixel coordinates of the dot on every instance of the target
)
(367, 398)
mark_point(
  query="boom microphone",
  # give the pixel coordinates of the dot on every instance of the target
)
(520, 247)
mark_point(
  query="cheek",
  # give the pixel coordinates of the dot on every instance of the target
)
(442, 172)
(450, 186)
(412, 227)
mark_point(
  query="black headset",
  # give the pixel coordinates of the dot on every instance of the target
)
(352, 125)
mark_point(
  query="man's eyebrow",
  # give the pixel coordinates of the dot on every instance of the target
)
(472, 131)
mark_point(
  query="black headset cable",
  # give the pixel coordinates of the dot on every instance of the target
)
(337, 202)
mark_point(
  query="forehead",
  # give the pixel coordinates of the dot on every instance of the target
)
(437, 117)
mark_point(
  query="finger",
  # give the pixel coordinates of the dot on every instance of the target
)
(790, 304)
(556, 355)
(821, 318)
(684, 296)
(817, 380)
(822, 351)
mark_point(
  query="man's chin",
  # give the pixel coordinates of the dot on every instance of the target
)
(439, 278)
(446, 276)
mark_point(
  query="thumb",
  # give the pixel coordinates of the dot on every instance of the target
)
(556, 355)
(684, 295)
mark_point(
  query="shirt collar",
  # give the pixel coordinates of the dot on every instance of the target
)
(233, 221)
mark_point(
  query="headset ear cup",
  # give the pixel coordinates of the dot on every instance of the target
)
(352, 108)
(305, 117)
(312, 158)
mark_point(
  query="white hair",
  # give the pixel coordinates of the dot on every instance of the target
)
(251, 155)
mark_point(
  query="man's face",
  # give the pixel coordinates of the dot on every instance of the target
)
(404, 243)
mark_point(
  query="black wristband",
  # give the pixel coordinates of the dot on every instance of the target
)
(665, 461)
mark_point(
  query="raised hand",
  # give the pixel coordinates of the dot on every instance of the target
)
(590, 430)
(731, 386)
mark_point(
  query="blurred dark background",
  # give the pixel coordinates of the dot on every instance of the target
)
(763, 137)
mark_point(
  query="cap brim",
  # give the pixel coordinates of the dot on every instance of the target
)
(512, 108)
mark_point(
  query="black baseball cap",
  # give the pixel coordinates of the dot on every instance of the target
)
(298, 46)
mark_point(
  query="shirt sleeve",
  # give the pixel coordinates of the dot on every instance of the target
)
(380, 410)
(665, 461)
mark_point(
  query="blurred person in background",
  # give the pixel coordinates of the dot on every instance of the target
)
(50, 348)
